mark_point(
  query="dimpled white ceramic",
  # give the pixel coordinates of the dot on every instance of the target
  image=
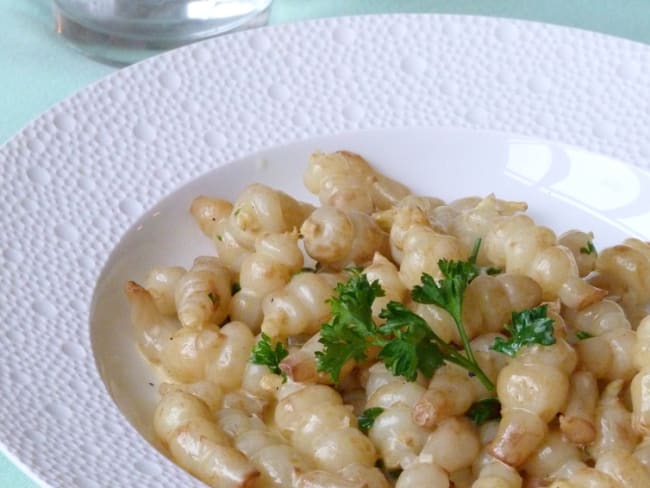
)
(75, 399)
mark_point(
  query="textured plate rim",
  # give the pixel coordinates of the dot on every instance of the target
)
(342, 28)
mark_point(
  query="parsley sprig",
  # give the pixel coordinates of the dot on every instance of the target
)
(264, 353)
(407, 343)
(583, 334)
(368, 417)
(351, 330)
(448, 295)
(589, 248)
(404, 339)
(410, 344)
(484, 411)
(528, 327)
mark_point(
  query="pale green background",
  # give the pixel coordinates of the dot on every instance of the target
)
(37, 69)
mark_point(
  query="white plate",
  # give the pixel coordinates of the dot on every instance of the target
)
(565, 187)
(75, 179)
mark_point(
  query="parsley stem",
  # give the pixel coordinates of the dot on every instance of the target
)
(474, 369)
(464, 339)
(474, 256)
(469, 363)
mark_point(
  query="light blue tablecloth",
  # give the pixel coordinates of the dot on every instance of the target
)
(37, 70)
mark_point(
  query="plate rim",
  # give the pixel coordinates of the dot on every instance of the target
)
(12, 452)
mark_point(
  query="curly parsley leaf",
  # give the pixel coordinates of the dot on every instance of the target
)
(448, 295)
(484, 411)
(338, 351)
(351, 329)
(400, 357)
(430, 357)
(492, 271)
(528, 327)
(353, 304)
(368, 417)
(448, 292)
(582, 335)
(407, 343)
(411, 348)
(264, 353)
(400, 321)
(404, 338)
(588, 249)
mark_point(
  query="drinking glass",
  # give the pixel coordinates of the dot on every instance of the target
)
(124, 31)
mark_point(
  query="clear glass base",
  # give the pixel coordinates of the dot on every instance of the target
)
(122, 32)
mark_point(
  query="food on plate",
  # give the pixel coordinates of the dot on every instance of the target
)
(389, 339)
